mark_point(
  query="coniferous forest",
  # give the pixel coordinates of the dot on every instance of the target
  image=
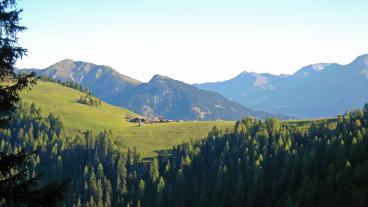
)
(257, 163)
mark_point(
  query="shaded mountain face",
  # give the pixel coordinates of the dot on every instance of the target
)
(161, 96)
(177, 100)
(102, 80)
(319, 90)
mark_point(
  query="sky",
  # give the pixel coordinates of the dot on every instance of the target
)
(194, 40)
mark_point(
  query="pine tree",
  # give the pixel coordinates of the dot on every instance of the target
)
(365, 108)
(15, 187)
(154, 170)
(10, 51)
(141, 187)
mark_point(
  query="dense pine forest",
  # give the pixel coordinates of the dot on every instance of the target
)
(268, 163)
(98, 174)
(257, 163)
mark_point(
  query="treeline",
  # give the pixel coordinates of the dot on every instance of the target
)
(68, 83)
(268, 163)
(87, 99)
(100, 175)
(258, 163)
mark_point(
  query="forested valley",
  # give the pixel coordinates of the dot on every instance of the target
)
(70, 144)
(257, 163)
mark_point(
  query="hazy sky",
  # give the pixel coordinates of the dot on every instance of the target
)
(194, 40)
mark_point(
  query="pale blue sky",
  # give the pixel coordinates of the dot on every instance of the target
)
(194, 40)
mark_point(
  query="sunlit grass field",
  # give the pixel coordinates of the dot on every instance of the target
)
(55, 98)
(61, 100)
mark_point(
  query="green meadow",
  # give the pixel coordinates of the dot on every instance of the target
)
(149, 138)
(62, 101)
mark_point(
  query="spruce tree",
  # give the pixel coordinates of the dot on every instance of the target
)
(15, 185)
(10, 51)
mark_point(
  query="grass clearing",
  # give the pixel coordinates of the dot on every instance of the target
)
(305, 124)
(61, 100)
(55, 98)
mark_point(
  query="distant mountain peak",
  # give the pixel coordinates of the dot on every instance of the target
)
(100, 79)
(66, 60)
(316, 90)
(319, 66)
(361, 58)
(158, 77)
(250, 73)
(244, 73)
(365, 70)
(309, 69)
(65, 65)
(364, 58)
(360, 64)
(70, 68)
(174, 99)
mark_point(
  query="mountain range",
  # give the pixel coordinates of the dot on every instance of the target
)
(103, 81)
(161, 96)
(317, 90)
(314, 91)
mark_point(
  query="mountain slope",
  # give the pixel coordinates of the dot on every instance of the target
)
(102, 80)
(177, 100)
(318, 90)
(161, 96)
(62, 101)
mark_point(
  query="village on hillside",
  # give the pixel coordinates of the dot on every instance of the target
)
(141, 120)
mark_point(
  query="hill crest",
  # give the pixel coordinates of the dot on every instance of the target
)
(314, 91)
(161, 96)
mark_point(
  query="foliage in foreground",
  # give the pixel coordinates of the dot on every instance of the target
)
(258, 163)
(99, 174)
(271, 164)
(16, 186)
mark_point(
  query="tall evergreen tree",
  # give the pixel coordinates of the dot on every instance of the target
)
(15, 185)
(10, 51)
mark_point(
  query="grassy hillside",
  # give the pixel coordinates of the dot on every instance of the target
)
(54, 98)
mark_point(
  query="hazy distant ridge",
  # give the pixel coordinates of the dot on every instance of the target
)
(317, 90)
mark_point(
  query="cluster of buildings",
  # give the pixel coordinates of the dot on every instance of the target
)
(148, 120)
